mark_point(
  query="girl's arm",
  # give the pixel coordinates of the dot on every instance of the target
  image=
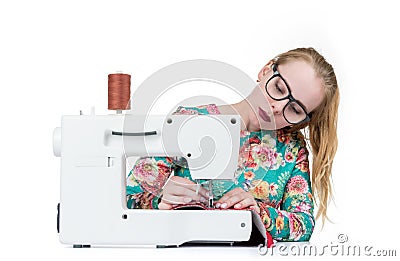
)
(293, 219)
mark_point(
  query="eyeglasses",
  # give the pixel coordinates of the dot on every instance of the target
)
(278, 89)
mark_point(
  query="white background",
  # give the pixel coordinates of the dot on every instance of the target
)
(55, 57)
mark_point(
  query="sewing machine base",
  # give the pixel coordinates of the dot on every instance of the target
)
(164, 228)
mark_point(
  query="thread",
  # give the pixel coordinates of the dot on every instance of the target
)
(119, 91)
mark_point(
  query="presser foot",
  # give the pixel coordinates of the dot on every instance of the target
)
(211, 203)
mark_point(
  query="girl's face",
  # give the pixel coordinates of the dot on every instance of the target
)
(304, 86)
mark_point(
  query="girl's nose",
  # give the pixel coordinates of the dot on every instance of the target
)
(277, 106)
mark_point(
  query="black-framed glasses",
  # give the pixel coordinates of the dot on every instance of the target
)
(278, 89)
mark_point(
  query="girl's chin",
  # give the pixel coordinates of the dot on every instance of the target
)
(256, 126)
(269, 125)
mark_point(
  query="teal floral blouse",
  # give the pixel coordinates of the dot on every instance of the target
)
(273, 166)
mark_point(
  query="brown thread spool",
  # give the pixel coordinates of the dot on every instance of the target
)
(119, 91)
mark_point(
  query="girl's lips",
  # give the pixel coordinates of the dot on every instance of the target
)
(263, 115)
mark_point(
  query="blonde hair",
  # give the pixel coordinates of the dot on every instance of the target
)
(322, 127)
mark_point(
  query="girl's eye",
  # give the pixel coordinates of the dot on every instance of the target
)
(278, 88)
(294, 109)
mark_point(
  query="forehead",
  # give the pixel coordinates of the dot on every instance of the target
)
(304, 84)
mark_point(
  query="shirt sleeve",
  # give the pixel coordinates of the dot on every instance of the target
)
(293, 219)
(145, 181)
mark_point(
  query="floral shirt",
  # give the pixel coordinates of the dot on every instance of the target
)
(272, 165)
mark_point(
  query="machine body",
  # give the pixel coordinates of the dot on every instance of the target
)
(93, 151)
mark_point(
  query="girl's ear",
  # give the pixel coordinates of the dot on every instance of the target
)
(264, 70)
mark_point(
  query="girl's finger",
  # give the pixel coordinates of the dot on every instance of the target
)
(229, 202)
(164, 206)
(177, 200)
(185, 192)
(184, 183)
(229, 194)
(245, 203)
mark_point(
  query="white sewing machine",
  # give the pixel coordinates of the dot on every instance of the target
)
(93, 150)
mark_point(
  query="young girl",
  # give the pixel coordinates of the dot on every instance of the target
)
(297, 91)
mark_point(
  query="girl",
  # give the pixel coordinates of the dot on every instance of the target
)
(297, 94)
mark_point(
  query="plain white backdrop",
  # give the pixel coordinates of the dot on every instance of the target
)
(55, 57)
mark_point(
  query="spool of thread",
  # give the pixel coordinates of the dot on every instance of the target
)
(119, 91)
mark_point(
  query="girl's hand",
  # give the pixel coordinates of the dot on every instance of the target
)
(180, 190)
(239, 199)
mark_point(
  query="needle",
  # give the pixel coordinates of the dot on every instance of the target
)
(210, 195)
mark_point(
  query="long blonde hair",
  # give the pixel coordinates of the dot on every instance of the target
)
(322, 127)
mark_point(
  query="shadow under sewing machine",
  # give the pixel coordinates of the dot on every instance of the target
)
(93, 150)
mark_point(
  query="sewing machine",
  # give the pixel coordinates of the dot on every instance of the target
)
(93, 150)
